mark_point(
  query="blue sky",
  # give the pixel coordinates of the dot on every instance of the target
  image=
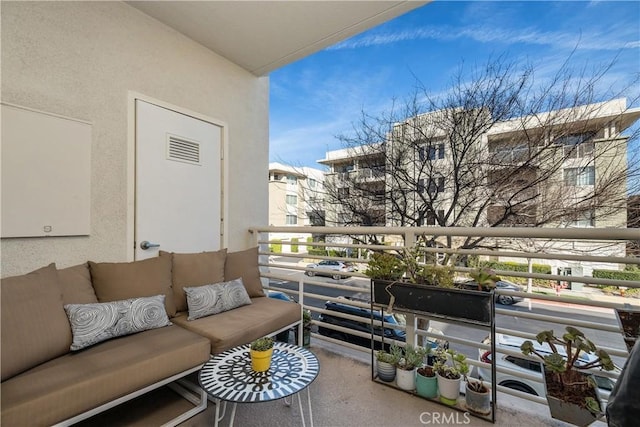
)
(321, 96)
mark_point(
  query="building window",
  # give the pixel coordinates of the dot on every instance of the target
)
(429, 218)
(580, 176)
(431, 152)
(292, 180)
(577, 146)
(343, 192)
(292, 220)
(292, 199)
(312, 183)
(586, 218)
(433, 187)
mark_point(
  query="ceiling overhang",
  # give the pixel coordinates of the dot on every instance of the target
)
(261, 36)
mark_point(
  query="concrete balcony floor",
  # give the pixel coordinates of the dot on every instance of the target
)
(342, 395)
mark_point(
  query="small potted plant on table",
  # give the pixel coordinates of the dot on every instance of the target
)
(426, 380)
(572, 394)
(477, 397)
(261, 352)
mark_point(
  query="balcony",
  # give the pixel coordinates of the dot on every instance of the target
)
(344, 393)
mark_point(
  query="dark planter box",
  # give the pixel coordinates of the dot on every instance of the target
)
(471, 306)
(629, 321)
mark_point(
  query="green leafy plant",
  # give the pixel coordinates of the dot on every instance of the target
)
(262, 344)
(411, 358)
(450, 364)
(392, 356)
(385, 266)
(563, 369)
(485, 277)
(438, 275)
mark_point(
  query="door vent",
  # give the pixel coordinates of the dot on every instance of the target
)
(183, 150)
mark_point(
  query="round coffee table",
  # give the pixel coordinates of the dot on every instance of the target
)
(228, 377)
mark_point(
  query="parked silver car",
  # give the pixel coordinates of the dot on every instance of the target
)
(330, 268)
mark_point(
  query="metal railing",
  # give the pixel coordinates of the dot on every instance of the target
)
(559, 248)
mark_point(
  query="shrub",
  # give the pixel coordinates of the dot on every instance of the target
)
(520, 267)
(276, 247)
(294, 244)
(617, 274)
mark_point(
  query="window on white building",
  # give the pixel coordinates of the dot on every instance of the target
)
(431, 152)
(580, 176)
(292, 180)
(292, 199)
(433, 185)
(312, 183)
(586, 218)
(577, 146)
(292, 220)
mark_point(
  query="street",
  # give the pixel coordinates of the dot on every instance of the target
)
(476, 334)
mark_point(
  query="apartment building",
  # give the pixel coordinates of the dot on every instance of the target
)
(564, 168)
(295, 198)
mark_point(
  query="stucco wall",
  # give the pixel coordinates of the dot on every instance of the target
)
(81, 59)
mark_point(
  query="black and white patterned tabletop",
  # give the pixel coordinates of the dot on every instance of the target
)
(228, 375)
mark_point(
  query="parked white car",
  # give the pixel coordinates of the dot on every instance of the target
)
(330, 268)
(521, 364)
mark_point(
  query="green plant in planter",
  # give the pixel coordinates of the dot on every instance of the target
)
(411, 357)
(486, 278)
(385, 266)
(450, 364)
(392, 356)
(262, 344)
(437, 275)
(563, 379)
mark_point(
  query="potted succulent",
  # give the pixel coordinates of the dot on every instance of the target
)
(411, 358)
(572, 394)
(450, 367)
(261, 351)
(400, 281)
(477, 396)
(426, 380)
(386, 362)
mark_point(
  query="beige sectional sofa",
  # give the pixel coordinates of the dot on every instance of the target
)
(43, 316)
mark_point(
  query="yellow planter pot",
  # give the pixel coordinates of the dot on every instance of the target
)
(261, 360)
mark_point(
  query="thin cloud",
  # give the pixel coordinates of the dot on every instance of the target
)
(484, 34)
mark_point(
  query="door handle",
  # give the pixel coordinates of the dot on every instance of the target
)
(144, 245)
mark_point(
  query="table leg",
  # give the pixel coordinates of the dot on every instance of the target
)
(219, 417)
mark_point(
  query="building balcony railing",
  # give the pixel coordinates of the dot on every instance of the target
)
(555, 268)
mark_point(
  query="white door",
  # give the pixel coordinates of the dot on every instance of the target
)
(178, 190)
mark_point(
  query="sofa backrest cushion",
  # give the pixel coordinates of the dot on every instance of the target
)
(124, 280)
(244, 264)
(194, 269)
(76, 285)
(35, 328)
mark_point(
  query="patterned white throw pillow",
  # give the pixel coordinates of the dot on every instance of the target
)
(97, 322)
(216, 298)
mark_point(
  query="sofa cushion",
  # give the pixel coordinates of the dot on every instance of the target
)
(77, 382)
(245, 264)
(94, 323)
(76, 285)
(124, 280)
(194, 269)
(216, 298)
(243, 324)
(35, 328)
